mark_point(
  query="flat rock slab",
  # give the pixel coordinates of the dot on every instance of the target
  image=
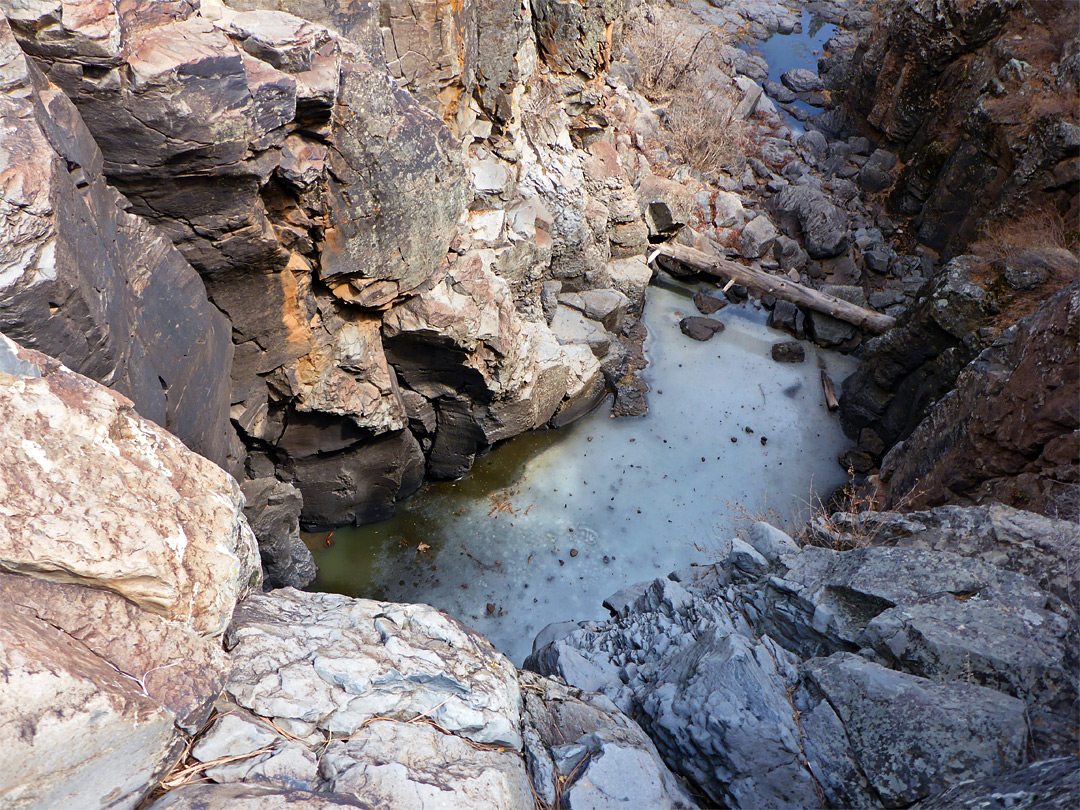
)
(699, 328)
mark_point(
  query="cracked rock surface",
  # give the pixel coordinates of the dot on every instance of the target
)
(807, 677)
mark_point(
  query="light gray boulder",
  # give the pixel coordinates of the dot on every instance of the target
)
(756, 239)
(323, 661)
(414, 766)
(631, 277)
(603, 757)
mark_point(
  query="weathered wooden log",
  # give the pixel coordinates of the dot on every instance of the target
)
(831, 402)
(777, 286)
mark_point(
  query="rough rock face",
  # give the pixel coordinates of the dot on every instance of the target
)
(576, 37)
(322, 164)
(266, 192)
(122, 555)
(272, 509)
(955, 315)
(1010, 431)
(981, 99)
(372, 704)
(773, 678)
(86, 281)
(1052, 784)
(904, 371)
(1044, 549)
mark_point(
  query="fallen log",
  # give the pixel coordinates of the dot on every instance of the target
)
(777, 286)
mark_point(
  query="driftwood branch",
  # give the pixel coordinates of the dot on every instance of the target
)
(777, 286)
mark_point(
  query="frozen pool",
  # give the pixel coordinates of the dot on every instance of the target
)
(550, 523)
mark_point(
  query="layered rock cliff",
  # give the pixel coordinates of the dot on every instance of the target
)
(362, 198)
(980, 98)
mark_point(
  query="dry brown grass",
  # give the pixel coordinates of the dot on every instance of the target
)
(706, 131)
(680, 66)
(843, 522)
(1041, 237)
(671, 47)
(1005, 240)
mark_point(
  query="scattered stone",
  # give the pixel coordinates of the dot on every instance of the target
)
(801, 80)
(757, 237)
(699, 328)
(665, 204)
(822, 225)
(708, 304)
(856, 461)
(814, 142)
(778, 92)
(878, 260)
(788, 317)
(874, 179)
(790, 351)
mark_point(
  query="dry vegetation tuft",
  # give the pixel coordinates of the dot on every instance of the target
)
(680, 67)
(1006, 240)
(1040, 238)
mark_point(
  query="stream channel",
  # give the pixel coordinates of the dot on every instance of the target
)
(548, 524)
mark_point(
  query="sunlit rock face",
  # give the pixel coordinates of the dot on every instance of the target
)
(321, 164)
(122, 557)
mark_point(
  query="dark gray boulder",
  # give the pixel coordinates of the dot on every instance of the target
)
(790, 351)
(698, 328)
(801, 80)
(808, 212)
(273, 510)
(911, 737)
(708, 304)
(778, 92)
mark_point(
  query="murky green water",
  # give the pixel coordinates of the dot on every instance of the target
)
(550, 523)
